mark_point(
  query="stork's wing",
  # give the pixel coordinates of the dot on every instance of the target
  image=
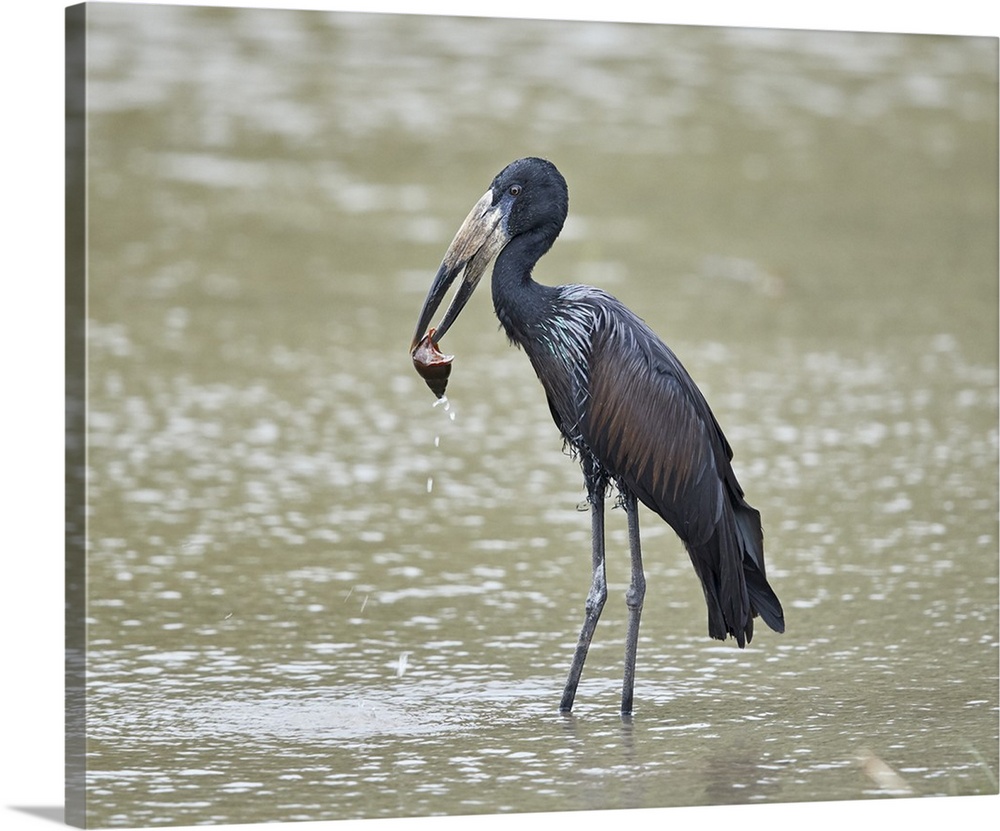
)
(651, 427)
(638, 412)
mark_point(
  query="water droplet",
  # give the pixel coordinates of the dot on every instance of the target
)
(401, 664)
(437, 441)
(444, 402)
(430, 483)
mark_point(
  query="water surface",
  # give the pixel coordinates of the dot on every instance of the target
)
(313, 595)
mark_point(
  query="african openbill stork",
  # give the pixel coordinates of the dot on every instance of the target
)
(621, 400)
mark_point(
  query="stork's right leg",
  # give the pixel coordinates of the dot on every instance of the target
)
(598, 590)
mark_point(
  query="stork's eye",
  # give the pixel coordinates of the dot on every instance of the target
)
(514, 190)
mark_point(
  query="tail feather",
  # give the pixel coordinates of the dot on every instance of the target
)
(733, 579)
(718, 566)
(763, 600)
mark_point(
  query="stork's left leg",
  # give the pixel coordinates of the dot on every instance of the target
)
(633, 599)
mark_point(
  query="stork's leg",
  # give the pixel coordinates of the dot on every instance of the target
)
(633, 599)
(595, 597)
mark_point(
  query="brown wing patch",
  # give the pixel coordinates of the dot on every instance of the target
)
(643, 425)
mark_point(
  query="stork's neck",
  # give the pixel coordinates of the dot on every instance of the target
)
(518, 300)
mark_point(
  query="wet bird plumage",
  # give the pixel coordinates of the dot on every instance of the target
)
(628, 408)
(619, 395)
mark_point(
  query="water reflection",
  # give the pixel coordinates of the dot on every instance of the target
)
(312, 594)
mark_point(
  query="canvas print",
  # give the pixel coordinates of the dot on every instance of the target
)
(472, 415)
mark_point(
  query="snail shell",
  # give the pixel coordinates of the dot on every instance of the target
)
(432, 364)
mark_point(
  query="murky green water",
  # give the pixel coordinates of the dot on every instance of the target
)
(313, 595)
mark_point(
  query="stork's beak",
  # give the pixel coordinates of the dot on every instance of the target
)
(477, 242)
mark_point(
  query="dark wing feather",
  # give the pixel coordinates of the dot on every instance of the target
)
(650, 426)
